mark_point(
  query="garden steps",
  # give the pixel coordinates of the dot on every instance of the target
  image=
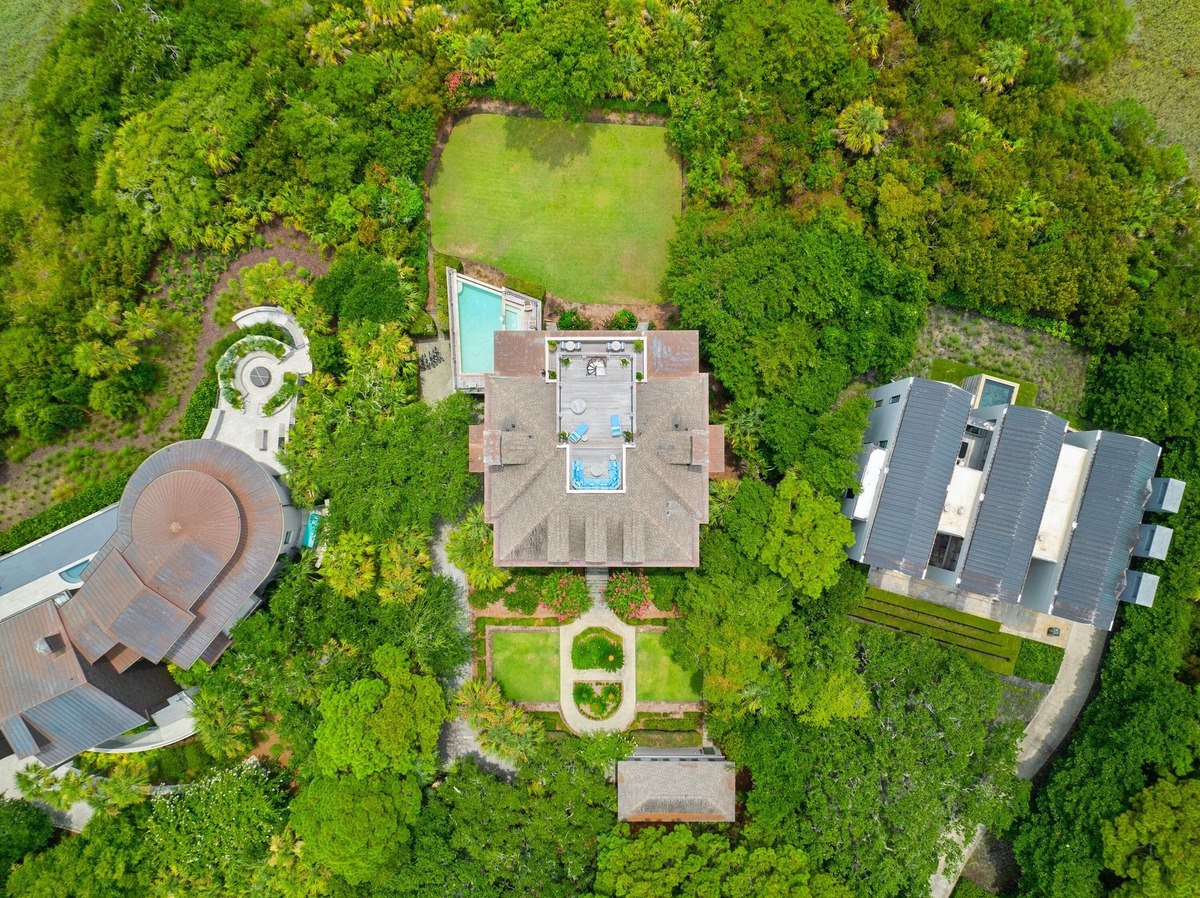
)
(597, 582)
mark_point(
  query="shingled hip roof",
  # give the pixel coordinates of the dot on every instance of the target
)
(663, 790)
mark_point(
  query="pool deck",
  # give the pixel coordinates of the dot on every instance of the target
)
(530, 319)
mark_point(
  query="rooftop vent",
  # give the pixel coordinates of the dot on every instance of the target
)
(51, 645)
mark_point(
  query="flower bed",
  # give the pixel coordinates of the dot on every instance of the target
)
(598, 701)
(227, 364)
(597, 649)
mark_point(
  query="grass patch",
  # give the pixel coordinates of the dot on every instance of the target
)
(659, 678)
(525, 664)
(957, 372)
(979, 637)
(26, 29)
(597, 649)
(1038, 662)
(585, 209)
(666, 739)
(1158, 70)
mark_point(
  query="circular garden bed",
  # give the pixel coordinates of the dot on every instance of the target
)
(597, 649)
(598, 701)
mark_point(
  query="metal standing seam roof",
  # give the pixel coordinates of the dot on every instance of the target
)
(47, 706)
(1024, 455)
(904, 523)
(200, 526)
(1108, 523)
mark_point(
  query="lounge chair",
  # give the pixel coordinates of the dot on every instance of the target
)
(614, 426)
(577, 434)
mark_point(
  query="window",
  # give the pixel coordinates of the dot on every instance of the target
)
(945, 551)
(882, 444)
(878, 402)
(287, 538)
(849, 494)
(894, 399)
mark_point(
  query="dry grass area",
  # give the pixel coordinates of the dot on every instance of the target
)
(1161, 70)
(1057, 367)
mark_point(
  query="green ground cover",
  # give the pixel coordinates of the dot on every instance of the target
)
(956, 373)
(1038, 662)
(525, 664)
(585, 209)
(26, 29)
(1159, 70)
(659, 678)
(979, 637)
(597, 649)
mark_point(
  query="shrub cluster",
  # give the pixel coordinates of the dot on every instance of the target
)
(597, 649)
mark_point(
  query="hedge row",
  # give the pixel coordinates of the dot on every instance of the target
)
(85, 502)
(997, 643)
(941, 611)
(666, 739)
(981, 654)
(531, 289)
(666, 723)
(440, 263)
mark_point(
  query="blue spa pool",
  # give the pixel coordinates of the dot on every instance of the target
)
(995, 393)
(481, 312)
(311, 528)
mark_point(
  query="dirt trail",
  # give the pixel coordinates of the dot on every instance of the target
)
(20, 479)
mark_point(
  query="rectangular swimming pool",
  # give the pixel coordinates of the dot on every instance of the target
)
(481, 312)
(995, 392)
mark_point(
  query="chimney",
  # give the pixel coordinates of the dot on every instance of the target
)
(52, 645)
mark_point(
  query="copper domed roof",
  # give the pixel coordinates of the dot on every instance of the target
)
(200, 527)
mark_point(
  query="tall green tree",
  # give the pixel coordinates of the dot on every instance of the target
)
(806, 537)
(560, 63)
(1152, 846)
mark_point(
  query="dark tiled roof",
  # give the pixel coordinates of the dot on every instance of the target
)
(922, 460)
(1109, 518)
(675, 790)
(654, 522)
(1024, 455)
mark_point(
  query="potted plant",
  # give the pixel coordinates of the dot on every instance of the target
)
(639, 375)
(562, 436)
(638, 345)
(552, 344)
(628, 435)
(553, 375)
(624, 362)
(566, 363)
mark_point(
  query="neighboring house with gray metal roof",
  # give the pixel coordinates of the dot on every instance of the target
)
(1006, 502)
(679, 786)
(596, 449)
(199, 528)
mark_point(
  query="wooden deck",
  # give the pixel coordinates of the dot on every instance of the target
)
(603, 397)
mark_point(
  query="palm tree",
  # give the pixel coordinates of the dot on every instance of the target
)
(470, 548)
(387, 12)
(329, 43)
(1000, 64)
(143, 322)
(861, 127)
(226, 726)
(349, 564)
(404, 567)
(871, 19)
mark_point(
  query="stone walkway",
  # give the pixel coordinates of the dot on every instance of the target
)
(457, 738)
(626, 676)
(1057, 713)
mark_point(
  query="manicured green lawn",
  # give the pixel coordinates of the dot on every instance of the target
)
(659, 679)
(525, 664)
(586, 210)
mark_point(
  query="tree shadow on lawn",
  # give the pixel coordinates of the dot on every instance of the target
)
(554, 143)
